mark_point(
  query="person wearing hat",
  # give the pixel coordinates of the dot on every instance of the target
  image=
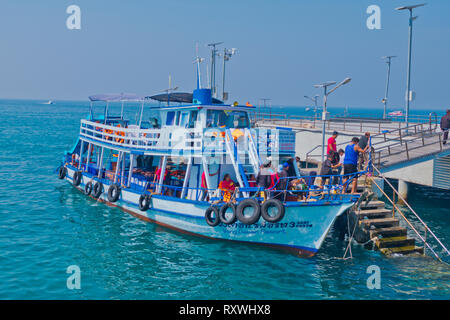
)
(445, 125)
(282, 176)
(263, 179)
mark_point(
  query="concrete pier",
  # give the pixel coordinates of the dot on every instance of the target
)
(403, 187)
(415, 154)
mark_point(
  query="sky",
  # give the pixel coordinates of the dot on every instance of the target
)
(284, 48)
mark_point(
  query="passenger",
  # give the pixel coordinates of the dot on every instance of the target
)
(351, 163)
(283, 174)
(298, 161)
(252, 181)
(155, 124)
(291, 170)
(445, 125)
(281, 182)
(227, 186)
(157, 175)
(327, 169)
(331, 146)
(339, 166)
(204, 185)
(363, 144)
(263, 178)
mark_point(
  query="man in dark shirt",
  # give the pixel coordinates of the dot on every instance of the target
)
(282, 175)
(327, 169)
(445, 125)
(363, 142)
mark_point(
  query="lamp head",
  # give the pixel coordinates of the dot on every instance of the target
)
(410, 7)
(346, 80)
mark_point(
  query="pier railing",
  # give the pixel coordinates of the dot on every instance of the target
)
(394, 142)
(346, 124)
(426, 236)
(407, 147)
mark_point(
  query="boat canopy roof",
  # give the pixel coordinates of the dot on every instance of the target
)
(180, 97)
(116, 97)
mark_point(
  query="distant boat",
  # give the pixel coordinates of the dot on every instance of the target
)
(49, 102)
(396, 114)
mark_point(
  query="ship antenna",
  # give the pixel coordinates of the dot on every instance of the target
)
(198, 60)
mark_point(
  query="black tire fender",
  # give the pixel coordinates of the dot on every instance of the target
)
(76, 178)
(222, 213)
(144, 202)
(88, 188)
(113, 192)
(256, 211)
(97, 190)
(210, 220)
(273, 203)
(62, 172)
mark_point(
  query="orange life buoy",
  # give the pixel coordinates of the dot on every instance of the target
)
(120, 133)
(108, 131)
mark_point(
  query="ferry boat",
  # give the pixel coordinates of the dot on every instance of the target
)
(168, 169)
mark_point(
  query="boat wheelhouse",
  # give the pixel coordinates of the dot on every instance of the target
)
(168, 167)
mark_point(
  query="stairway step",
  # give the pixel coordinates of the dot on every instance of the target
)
(388, 232)
(395, 243)
(402, 250)
(374, 204)
(387, 239)
(383, 222)
(374, 213)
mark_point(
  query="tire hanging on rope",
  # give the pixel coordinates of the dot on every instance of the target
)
(62, 172)
(97, 190)
(240, 211)
(269, 204)
(212, 216)
(88, 188)
(113, 192)
(223, 212)
(76, 178)
(144, 202)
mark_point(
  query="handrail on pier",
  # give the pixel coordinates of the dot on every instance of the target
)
(396, 208)
(413, 132)
(345, 124)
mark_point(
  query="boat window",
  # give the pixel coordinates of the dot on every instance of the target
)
(193, 119)
(170, 118)
(184, 119)
(177, 122)
(227, 119)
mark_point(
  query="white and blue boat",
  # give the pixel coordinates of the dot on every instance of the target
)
(153, 169)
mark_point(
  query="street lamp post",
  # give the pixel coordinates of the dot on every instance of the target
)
(388, 62)
(325, 115)
(408, 76)
(314, 99)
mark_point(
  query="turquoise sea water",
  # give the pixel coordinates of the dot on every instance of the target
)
(46, 225)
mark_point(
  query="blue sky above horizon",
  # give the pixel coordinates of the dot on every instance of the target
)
(284, 47)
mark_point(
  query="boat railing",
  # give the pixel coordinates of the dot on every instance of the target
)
(330, 184)
(137, 138)
(332, 190)
(426, 236)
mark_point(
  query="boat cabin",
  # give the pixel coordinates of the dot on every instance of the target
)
(183, 147)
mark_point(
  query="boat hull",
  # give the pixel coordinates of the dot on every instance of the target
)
(301, 232)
